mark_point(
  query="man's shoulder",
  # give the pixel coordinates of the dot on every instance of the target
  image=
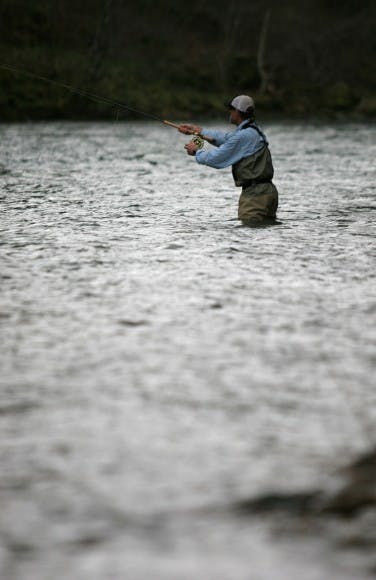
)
(244, 133)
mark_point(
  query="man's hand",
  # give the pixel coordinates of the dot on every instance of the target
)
(189, 129)
(191, 148)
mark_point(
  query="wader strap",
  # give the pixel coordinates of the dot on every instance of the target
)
(251, 125)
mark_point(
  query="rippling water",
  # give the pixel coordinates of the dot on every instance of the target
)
(161, 363)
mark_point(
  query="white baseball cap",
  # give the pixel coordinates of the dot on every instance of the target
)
(242, 103)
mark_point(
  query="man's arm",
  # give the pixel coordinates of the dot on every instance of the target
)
(231, 151)
(211, 136)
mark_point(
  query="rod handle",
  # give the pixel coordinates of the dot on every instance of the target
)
(171, 124)
(177, 127)
(208, 139)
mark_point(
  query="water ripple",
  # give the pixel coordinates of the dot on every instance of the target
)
(158, 359)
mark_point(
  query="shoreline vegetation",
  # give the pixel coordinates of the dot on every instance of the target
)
(172, 62)
(35, 101)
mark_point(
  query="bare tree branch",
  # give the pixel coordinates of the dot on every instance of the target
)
(261, 54)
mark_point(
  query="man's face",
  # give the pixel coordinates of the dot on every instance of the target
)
(235, 117)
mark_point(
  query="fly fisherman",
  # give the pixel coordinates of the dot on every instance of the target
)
(246, 149)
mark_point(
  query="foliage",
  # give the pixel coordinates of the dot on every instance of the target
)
(179, 60)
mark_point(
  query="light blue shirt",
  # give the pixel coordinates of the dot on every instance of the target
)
(230, 146)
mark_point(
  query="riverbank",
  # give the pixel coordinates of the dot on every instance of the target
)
(185, 62)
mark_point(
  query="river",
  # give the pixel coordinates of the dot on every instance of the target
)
(160, 363)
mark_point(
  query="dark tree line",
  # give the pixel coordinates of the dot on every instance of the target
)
(168, 57)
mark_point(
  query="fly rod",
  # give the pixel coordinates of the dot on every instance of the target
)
(97, 98)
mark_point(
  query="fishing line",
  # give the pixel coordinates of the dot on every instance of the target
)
(81, 92)
(197, 139)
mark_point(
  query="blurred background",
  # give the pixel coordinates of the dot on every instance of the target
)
(313, 58)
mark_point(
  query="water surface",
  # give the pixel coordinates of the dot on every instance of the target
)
(161, 363)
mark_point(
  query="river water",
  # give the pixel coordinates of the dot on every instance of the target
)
(161, 363)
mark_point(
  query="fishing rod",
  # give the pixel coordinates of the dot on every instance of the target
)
(198, 139)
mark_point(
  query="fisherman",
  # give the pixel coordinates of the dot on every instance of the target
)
(247, 150)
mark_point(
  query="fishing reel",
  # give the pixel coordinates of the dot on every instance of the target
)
(198, 141)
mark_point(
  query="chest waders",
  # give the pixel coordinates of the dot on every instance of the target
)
(258, 201)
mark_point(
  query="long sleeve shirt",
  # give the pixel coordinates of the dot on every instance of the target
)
(230, 146)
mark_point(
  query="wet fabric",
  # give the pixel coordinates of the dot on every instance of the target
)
(258, 208)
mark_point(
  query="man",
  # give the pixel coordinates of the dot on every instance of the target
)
(246, 149)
